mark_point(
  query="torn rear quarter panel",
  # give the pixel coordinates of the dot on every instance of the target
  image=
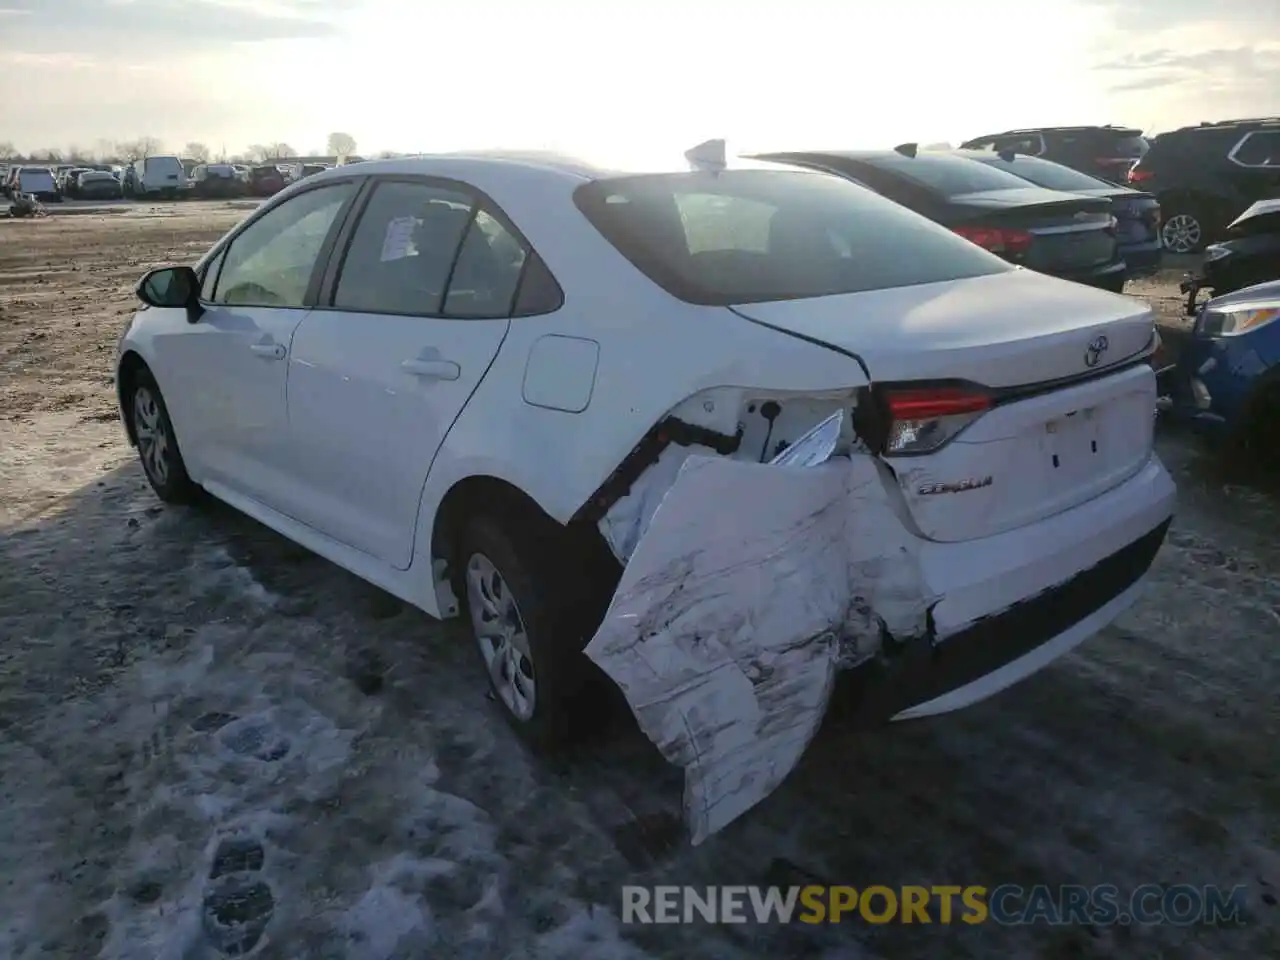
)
(752, 584)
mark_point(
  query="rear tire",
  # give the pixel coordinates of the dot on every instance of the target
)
(157, 443)
(529, 627)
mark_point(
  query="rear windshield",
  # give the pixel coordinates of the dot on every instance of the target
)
(747, 236)
(1129, 147)
(948, 175)
(1045, 173)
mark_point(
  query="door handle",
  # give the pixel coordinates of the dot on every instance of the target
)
(269, 351)
(432, 369)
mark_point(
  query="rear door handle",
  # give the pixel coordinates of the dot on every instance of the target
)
(268, 351)
(432, 369)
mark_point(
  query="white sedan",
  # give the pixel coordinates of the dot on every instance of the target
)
(726, 432)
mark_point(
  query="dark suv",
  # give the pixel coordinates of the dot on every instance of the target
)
(1206, 176)
(1106, 152)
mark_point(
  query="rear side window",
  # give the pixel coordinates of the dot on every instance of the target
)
(1128, 147)
(403, 249)
(1258, 149)
(746, 236)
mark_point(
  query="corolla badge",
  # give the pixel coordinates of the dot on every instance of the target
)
(1097, 347)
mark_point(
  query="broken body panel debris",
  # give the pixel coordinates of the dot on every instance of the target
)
(751, 586)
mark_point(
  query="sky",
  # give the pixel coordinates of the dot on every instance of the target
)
(623, 82)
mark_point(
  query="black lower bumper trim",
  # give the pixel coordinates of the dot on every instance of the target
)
(923, 671)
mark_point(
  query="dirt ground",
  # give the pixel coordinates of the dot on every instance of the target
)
(201, 724)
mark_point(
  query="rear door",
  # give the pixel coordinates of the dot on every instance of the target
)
(412, 316)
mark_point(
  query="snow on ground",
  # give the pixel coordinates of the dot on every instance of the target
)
(213, 743)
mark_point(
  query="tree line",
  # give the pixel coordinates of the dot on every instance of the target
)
(124, 151)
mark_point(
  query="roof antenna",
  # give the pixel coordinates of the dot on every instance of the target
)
(907, 149)
(707, 157)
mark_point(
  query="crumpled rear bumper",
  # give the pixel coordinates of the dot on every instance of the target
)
(755, 584)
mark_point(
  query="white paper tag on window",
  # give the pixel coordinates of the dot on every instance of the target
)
(399, 238)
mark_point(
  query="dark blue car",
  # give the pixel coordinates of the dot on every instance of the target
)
(1137, 213)
(1227, 377)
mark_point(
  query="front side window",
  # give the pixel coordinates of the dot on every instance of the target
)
(746, 236)
(270, 263)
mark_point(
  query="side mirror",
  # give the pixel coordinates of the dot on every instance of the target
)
(172, 287)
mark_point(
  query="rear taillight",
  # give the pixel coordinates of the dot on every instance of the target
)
(1138, 175)
(1001, 240)
(922, 419)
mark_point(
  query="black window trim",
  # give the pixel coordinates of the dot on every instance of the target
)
(215, 257)
(480, 200)
(1245, 139)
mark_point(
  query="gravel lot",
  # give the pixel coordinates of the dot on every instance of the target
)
(201, 722)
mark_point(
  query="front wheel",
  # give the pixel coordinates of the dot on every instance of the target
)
(524, 626)
(158, 444)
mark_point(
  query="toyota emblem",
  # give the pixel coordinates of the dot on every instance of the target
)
(1093, 353)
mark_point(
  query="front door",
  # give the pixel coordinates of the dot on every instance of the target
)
(232, 363)
(377, 376)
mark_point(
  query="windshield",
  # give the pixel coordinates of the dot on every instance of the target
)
(949, 175)
(747, 236)
(1046, 173)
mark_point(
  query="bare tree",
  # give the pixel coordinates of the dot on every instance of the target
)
(341, 144)
(139, 148)
(196, 151)
(48, 155)
(77, 154)
(7, 150)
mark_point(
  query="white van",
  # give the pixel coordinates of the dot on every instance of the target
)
(39, 181)
(158, 176)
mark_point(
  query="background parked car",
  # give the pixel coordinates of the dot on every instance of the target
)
(1249, 255)
(1107, 152)
(265, 180)
(1206, 176)
(1137, 213)
(1228, 374)
(156, 176)
(1063, 234)
(216, 180)
(98, 185)
(35, 180)
(66, 181)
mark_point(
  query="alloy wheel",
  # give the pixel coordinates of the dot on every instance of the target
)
(1180, 233)
(504, 640)
(152, 432)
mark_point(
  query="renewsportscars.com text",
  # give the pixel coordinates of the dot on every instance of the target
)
(1008, 904)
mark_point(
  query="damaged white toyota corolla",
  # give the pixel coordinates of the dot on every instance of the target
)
(730, 432)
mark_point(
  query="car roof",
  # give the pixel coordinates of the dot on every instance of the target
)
(1106, 127)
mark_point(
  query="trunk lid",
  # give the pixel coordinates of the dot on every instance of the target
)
(1263, 209)
(1065, 433)
(1070, 231)
(1137, 213)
